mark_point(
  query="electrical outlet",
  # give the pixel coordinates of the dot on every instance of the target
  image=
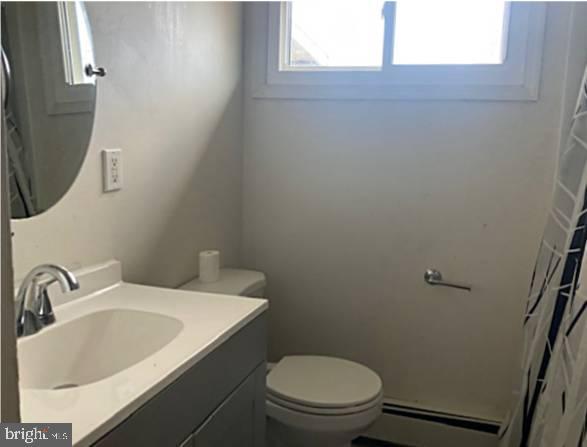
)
(112, 169)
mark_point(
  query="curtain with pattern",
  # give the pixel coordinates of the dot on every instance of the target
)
(551, 410)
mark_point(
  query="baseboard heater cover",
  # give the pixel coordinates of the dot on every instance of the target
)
(482, 425)
(428, 428)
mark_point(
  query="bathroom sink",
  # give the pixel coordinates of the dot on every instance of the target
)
(92, 347)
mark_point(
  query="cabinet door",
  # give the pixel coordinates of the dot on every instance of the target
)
(187, 403)
(236, 422)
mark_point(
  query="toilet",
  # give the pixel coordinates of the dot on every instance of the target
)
(312, 401)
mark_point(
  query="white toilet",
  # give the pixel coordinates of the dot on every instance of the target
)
(312, 401)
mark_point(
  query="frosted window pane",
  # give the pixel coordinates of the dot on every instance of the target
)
(449, 32)
(325, 33)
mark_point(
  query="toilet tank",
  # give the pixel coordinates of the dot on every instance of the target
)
(231, 282)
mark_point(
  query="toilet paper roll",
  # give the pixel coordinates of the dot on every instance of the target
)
(209, 265)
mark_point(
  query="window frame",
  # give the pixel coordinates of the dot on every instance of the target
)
(517, 79)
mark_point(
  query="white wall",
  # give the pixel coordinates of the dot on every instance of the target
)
(346, 203)
(172, 102)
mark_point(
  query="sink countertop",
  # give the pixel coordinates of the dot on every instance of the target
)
(96, 408)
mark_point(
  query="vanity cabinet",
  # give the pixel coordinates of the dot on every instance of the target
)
(233, 423)
(218, 402)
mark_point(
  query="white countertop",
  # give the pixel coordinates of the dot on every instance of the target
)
(94, 409)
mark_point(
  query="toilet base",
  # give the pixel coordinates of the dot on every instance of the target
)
(280, 435)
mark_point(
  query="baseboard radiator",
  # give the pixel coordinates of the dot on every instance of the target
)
(402, 425)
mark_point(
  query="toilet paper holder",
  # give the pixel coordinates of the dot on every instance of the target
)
(434, 278)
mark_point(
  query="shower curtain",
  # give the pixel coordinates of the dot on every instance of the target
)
(551, 409)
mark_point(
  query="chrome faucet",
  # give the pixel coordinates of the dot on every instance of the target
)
(35, 310)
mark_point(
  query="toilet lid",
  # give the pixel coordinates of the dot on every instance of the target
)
(323, 382)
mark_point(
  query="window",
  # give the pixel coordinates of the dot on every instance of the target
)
(412, 49)
(450, 32)
(352, 36)
(317, 37)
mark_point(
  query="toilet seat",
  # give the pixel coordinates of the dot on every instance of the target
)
(323, 385)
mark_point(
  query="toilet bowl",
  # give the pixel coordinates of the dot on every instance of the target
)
(312, 401)
(317, 401)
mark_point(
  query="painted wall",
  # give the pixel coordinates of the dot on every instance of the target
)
(172, 102)
(346, 203)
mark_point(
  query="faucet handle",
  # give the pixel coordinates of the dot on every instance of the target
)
(43, 308)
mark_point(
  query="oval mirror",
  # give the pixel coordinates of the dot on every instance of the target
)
(49, 97)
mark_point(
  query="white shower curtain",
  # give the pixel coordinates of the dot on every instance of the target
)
(551, 410)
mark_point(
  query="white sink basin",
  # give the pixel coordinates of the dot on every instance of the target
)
(120, 345)
(92, 347)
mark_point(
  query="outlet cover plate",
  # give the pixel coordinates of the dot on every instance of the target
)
(112, 169)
